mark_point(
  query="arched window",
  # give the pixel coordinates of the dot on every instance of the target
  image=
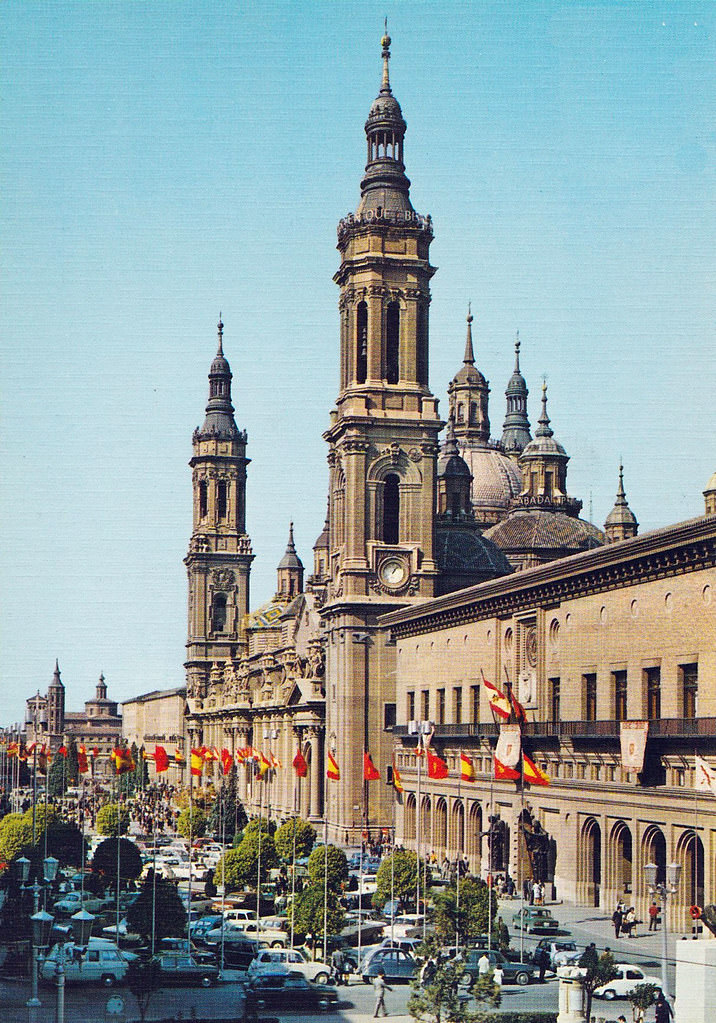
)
(221, 499)
(392, 343)
(391, 508)
(362, 343)
(460, 412)
(218, 613)
(203, 505)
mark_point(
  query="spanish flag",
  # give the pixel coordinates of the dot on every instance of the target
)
(123, 760)
(333, 771)
(179, 757)
(82, 762)
(397, 780)
(370, 771)
(499, 703)
(437, 768)
(197, 762)
(505, 773)
(161, 760)
(467, 768)
(532, 773)
(227, 761)
(261, 765)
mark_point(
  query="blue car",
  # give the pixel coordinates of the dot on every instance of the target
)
(396, 964)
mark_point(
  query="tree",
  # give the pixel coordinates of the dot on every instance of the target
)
(337, 867)
(241, 864)
(57, 780)
(397, 878)
(104, 861)
(262, 824)
(15, 836)
(143, 979)
(158, 908)
(227, 815)
(72, 776)
(308, 912)
(471, 914)
(191, 822)
(600, 970)
(107, 820)
(435, 997)
(642, 998)
(305, 838)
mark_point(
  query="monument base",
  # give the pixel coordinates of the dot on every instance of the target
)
(695, 972)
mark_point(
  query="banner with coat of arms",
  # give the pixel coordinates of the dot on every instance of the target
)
(633, 736)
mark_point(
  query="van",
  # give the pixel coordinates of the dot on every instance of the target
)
(239, 916)
(101, 962)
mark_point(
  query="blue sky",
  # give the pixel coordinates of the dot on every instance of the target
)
(164, 161)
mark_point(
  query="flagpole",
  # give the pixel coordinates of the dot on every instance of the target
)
(489, 856)
(296, 788)
(695, 926)
(119, 830)
(191, 839)
(325, 886)
(258, 868)
(223, 873)
(392, 863)
(519, 854)
(418, 816)
(457, 871)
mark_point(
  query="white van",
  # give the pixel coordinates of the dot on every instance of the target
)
(101, 962)
(239, 916)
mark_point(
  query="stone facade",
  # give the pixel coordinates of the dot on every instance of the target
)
(158, 719)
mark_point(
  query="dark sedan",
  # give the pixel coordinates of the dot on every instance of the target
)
(180, 968)
(513, 973)
(281, 990)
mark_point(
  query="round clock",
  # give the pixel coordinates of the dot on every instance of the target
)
(393, 573)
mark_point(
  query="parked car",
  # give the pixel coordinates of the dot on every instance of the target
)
(410, 945)
(561, 953)
(371, 865)
(628, 976)
(396, 964)
(406, 922)
(239, 952)
(278, 990)
(201, 927)
(291, 960)
(100, 962)
(183, 968)
(73, 902)
(513, 973)
(533, 919)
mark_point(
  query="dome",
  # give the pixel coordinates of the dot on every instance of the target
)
(711, 485)
(468, 374)
(220, 366)
(467, 552)
(496, 480)
(543, 445)
(385, 106)
(452, 465)
(548, 534)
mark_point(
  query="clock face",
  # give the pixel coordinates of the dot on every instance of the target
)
(393, 573)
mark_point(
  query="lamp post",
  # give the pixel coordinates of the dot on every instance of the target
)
(41, 925)
(673, 876)
(81, 930)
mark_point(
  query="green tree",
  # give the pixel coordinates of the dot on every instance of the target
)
(397, 878)
(642, 998)
(192, 822)
(305, 838)
(57, 780)
(159, 903)
(143, 979)
(600, 970)
(106, 823)
(73, 769)
(308, 912)
(262, 824)
(227, 815)
(104, 861)
(435, 998)
(241, 864)
(466, 909)
(337, 867)
(15, 836)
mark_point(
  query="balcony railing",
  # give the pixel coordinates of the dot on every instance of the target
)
(663, 728)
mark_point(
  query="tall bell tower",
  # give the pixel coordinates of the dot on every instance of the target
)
(219, 558)
(383, 446)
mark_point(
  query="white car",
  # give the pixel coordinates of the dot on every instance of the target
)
(406, 922)
(292, 960)
(101, 961)
(628, 977)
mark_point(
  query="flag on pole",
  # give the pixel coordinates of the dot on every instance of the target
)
(95, 751)
(704, 776)
(13, 749)
(261, 765)
(333, 771)
(227, 761)
(299, 764)
(467, 768)
(62, 751)
(123, 760)
(532, 773)
(518, 710)
(82, 762)
(179, 757)
(437, 768)
(505, 773)
(43, 759)
(370, 771)
(397, 780)
(499, 703)
(197, 763)
(161, 760)
(274, 762)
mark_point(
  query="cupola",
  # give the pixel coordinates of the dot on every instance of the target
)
(621, 523)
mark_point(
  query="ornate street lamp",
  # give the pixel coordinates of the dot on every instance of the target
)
(663, 891)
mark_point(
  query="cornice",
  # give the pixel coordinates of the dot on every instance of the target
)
(662, 553)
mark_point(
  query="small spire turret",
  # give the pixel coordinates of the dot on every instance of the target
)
(290, 570)
(469, 358)
(621, 523)
(516, 427)
(544, 429)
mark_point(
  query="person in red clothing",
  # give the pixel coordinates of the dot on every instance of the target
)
(653, 917)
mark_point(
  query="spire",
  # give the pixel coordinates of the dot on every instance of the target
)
(220, 328)
(101, 688)
(56, 680)
(516, 427)
(621, 523)
(469, 353)
(290, 569)
(219, 420)
(385, 43)
(544, 429)
(451, 447)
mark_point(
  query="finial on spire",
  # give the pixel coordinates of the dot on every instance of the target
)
(469, 353)
(220, 328)
(621, 495)
(544, 429)
(517, 352)
(385, 43)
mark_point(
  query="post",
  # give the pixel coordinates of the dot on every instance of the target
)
(325, 888)
(33, 1003)
(664, 951)
(60, 981)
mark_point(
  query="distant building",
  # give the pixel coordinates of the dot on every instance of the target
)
(158, 719)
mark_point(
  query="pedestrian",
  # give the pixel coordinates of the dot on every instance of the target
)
(380, 987)
(535, 894)
(617, 917)
(663, 1010)
(629, 922)
(541, 959)
(483, 965)
(337, 962)
(498, 976)
(653, 917)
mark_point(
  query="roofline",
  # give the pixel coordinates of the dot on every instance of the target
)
(156, 694)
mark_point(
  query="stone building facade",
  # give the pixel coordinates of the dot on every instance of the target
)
(159, 719)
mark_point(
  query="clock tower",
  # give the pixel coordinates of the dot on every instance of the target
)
(383, 446)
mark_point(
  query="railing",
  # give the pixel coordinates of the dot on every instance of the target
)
(663, 728)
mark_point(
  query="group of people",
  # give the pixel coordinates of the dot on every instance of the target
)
(625, 921)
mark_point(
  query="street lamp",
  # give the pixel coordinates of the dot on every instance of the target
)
(81, 929)
(673, 876)
(41, 925)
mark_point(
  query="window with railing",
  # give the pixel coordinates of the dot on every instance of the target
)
(554, 698)
(475, 702)
(457, 705)
(410, 716)
(440, 714)
(652, 678)
(589, 683)
(425, 695)
(619, 679)
(689, 689)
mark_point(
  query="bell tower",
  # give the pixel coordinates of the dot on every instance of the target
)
(219, 559)
(383, 446)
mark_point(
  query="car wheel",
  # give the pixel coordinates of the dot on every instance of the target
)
(610, 995)
(108, 980)
(277, 944)
(522, 979)
(206, 980)
(321, 978)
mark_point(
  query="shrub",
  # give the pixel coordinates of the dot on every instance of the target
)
(107, 820)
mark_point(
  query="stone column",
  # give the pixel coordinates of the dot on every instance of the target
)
(572, 1001)
(316, 800)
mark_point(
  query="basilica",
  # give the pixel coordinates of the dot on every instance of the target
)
(448, 554)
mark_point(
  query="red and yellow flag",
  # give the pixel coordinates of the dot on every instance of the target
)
(333, 771)
(397, 780)
(179, 757)
(82, 762)
(437, 768)
(467, 768)
(197, 762)
(227, 761)
(499, 703)
(123, 760)
(299, 764)
(532, 773)
(505, 773)
(161, 759)
(370, 771)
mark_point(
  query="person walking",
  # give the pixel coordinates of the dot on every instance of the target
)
(338, 964)
(498, 976)
(380, 987)
(653, 917)
(629, 922)
(617, 917)
(483, 965)
(541, 959)
(663, 1010)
